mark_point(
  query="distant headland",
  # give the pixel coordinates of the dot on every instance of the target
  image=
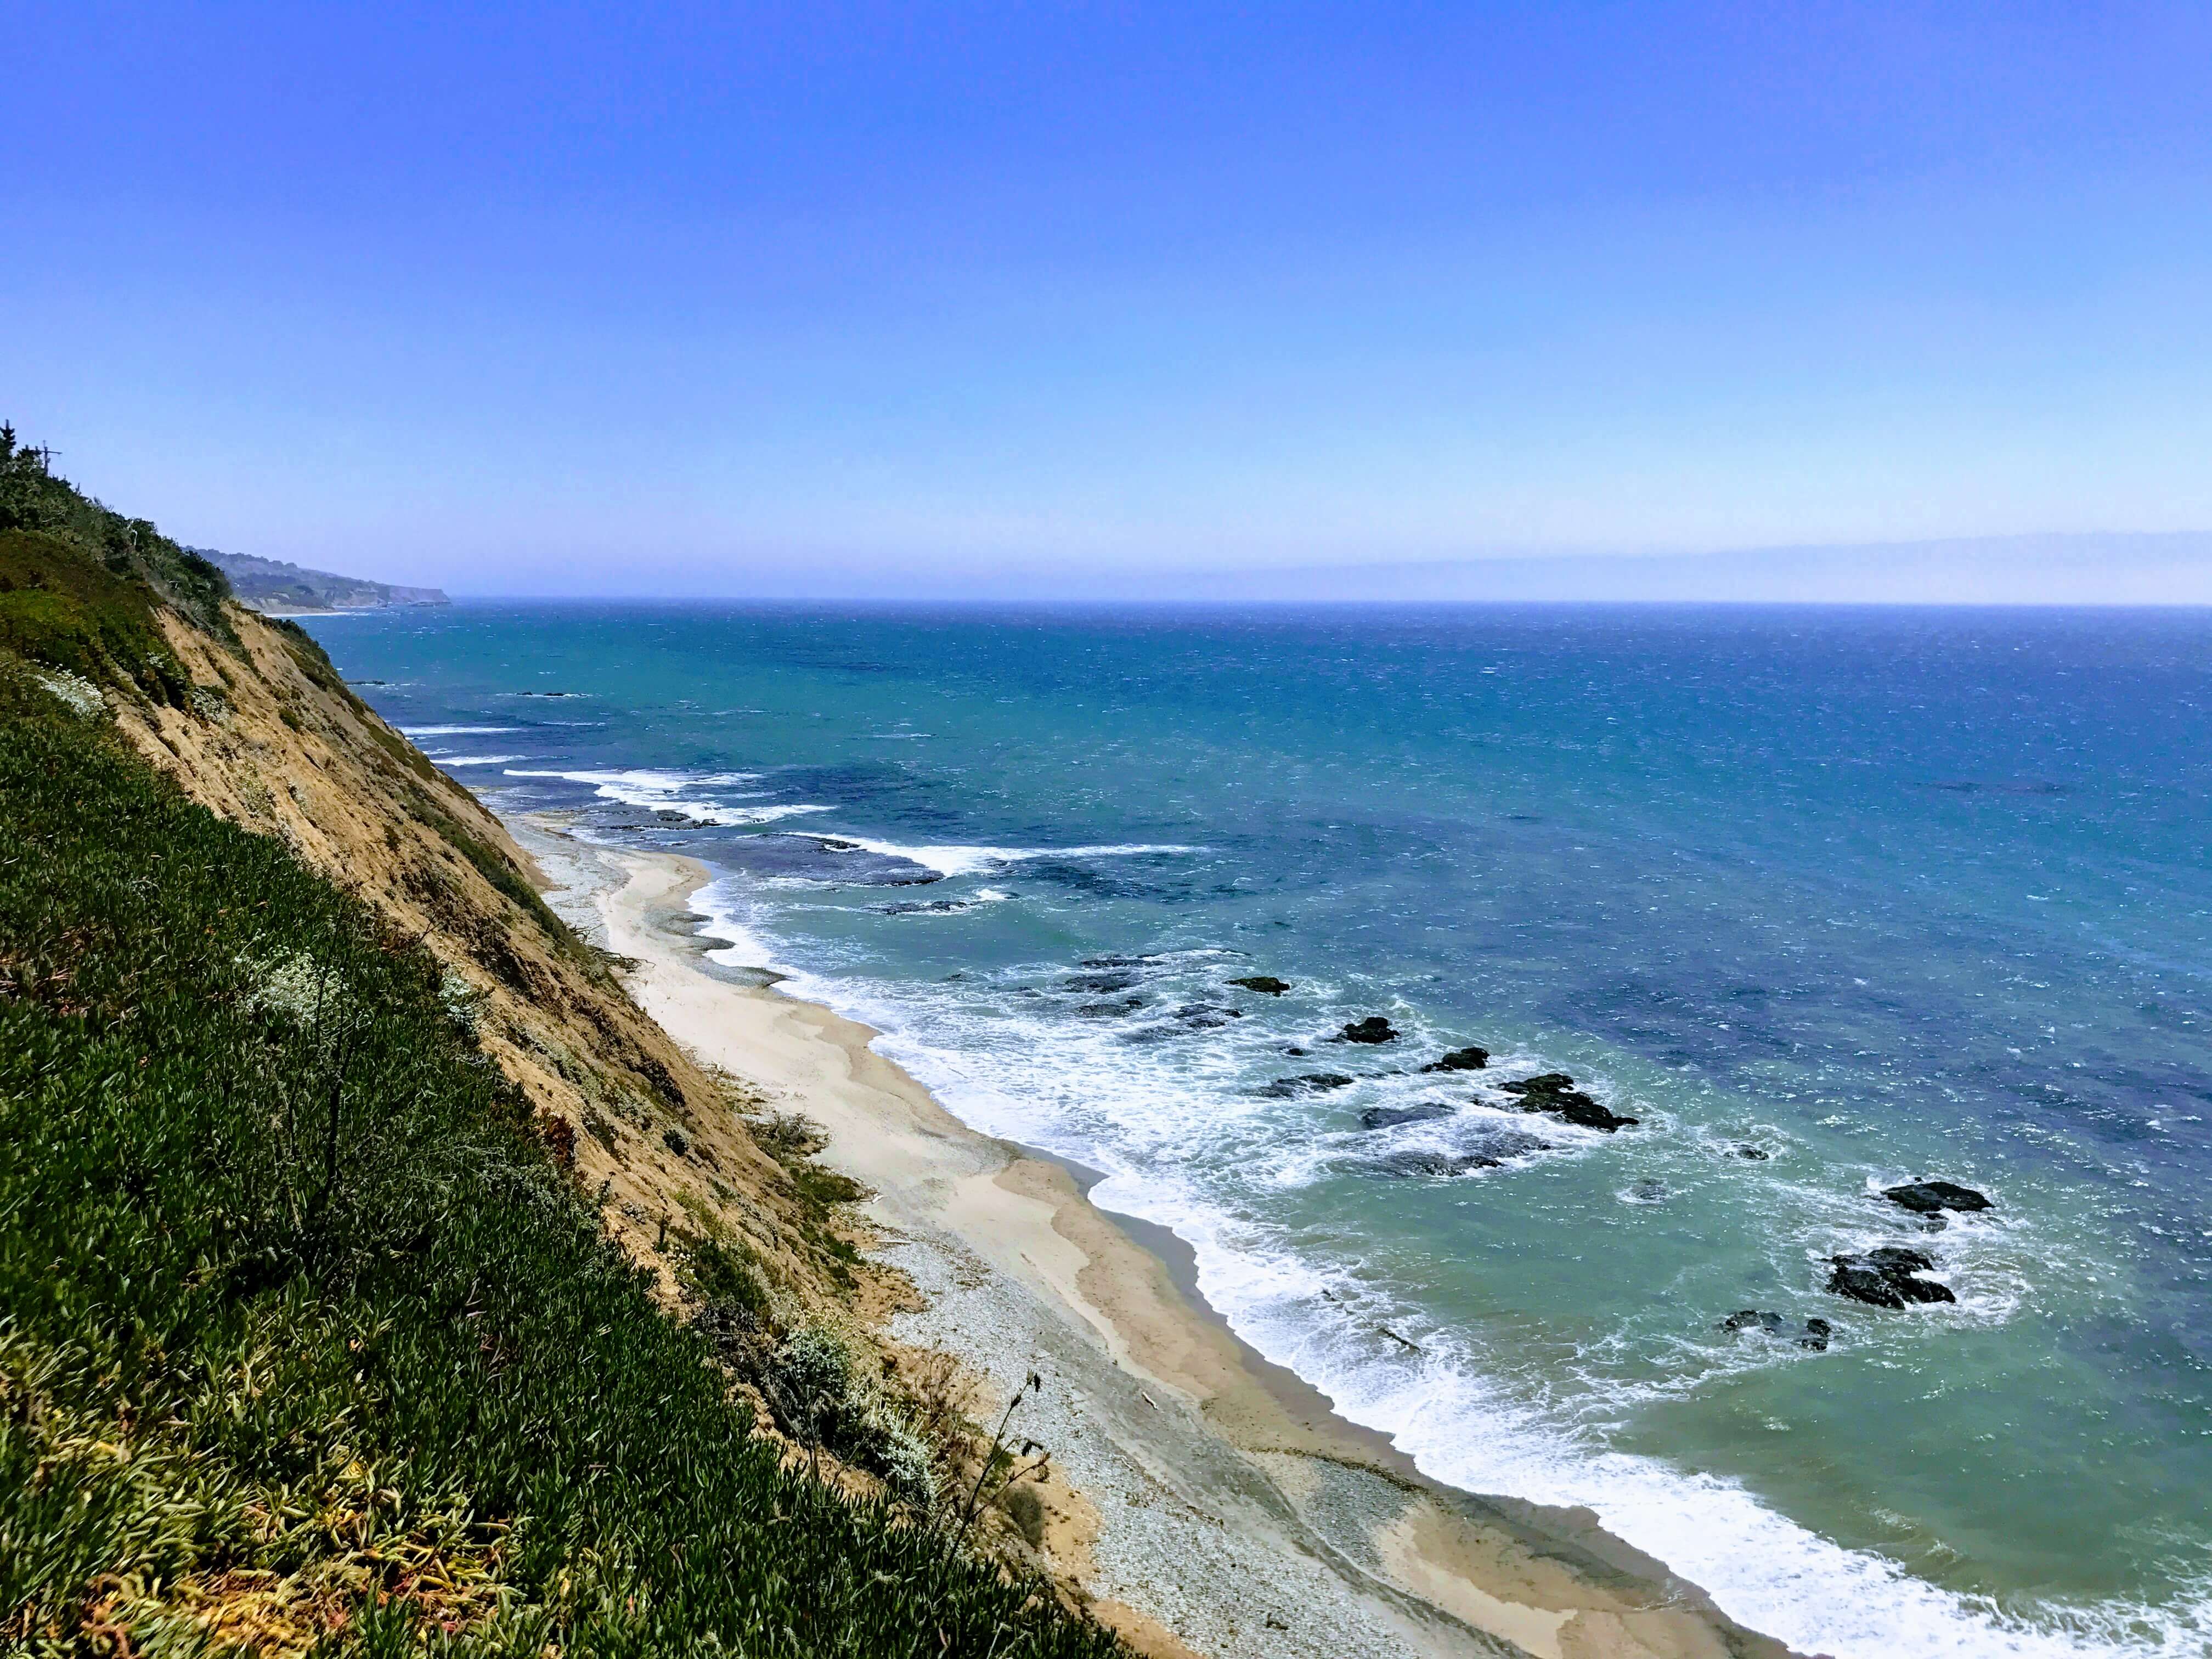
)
(280, 589)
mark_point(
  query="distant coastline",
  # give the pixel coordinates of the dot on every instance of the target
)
(277, 588)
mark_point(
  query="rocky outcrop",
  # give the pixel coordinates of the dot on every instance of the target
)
(1265, 984)
(1205, 1016)
(1555, 1094)
(1886, 1278)
(1373, 1029)
(1814, 1333)
(1401, 1164)
(1934, 1197)
(1389, 1117)
(1306, 1083)
(1110, 1008)
(1469, 1058)
(1099, 983)
(1488, 1151)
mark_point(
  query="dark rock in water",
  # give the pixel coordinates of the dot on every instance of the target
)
(1555, 1094)
(1863, 1285)
(1749, 1317)
(1896, 1259)
(1752, 1153)
(1308, 1083)
(1469, 1058)
(1544, 1083)
(1373, 1029)
(1385, 1117)
(1886, 1278)
(1265, 984)
(922, 908)
(1650, 1190)
(1401, 1164)
(1814, 1333)
(1205, 1016)
(1110, 1010)
(1502, 1142)
(1098, 982)
(1930, 1197)
(1922, 1289)
(1113, 962)
(1296, 1051)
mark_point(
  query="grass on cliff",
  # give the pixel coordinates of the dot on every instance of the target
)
(304, 1343)
(36, 499)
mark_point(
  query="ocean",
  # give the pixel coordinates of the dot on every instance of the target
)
(1828, 900)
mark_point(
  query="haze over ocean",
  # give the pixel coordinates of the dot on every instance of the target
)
(1871, 895)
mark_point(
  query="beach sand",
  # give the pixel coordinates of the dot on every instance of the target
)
(1214, 1496)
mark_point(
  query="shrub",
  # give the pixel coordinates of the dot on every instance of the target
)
(1026, 1510)
(826, 1400)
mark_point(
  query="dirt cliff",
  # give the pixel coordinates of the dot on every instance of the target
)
(271, 739)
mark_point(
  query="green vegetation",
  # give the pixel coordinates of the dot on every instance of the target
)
(306, 1342)
(792, 1140)
(33, 499)
(58, 607)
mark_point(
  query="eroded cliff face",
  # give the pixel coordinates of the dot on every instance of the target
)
(272, 739)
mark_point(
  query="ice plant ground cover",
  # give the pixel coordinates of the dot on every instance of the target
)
(304, 1340)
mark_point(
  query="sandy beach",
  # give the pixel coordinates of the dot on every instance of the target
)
(1218, 1497)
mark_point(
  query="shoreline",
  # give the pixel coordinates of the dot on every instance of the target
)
(1227, 1501)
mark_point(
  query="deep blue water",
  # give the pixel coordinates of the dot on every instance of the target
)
(1881, 895)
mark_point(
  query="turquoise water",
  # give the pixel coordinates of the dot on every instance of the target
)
(1881, 895)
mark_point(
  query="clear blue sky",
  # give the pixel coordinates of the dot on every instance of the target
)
(561, 298)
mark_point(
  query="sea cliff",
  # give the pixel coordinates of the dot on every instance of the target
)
(391, 1258)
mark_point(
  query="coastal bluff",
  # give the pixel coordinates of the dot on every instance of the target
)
(548, 1287)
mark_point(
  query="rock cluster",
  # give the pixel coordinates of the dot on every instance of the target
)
(1887, 1278)
(1387, 1117)
(1932, 1198)
(1306, 1083)
(1814, 1333)
(1555, 1094)
(1489, 1153)
(1469, 1058)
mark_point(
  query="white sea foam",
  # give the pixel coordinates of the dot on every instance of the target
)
(458, 730)
(716, 813)
(674, 792)
(961, 861)
(645, 780)
(476, 760)
(729, 918)
(1078, 1096)
(1767, 1570)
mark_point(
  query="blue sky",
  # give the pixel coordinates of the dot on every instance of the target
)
(572, 299)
